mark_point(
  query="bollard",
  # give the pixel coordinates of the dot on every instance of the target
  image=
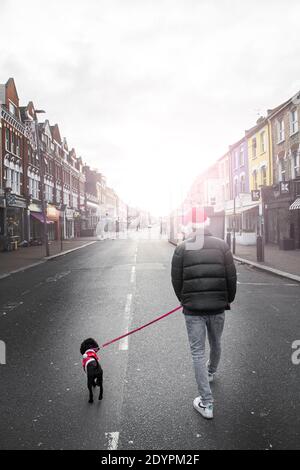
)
(228, 239)
(259, 248)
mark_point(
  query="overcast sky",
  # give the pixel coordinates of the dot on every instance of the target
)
(151, 92)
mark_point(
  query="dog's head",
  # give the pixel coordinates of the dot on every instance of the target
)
(88, 343)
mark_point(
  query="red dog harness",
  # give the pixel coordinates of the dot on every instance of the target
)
(89, 356)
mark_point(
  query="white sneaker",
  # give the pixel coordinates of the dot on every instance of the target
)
(205, 410)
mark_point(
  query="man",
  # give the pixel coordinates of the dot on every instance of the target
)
(204, 280)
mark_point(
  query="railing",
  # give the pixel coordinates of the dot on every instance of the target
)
(10, 119)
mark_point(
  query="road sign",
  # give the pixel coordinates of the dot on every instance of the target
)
(255, 195)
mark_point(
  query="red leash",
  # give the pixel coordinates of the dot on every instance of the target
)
(141, 327)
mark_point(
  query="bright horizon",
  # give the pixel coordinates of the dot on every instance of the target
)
(151, 93)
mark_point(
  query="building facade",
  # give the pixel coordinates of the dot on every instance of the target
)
(283, 220)
(13, 202)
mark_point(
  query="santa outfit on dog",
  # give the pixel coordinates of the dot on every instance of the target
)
(89, 356)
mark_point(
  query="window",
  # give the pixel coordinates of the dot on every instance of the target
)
(293, 121)
(263, 172)
(242, 159)
(18, 146)
(254, 147)
(12, 144)
(280, 130)
(281, 169)
(235, 159)
(7, 140)
(295, 165)
(236, 189)
(12, 108)
(255, 180)
(262, 142)
(48, 193)
(243, 183)
(58, 195)
(13, 180)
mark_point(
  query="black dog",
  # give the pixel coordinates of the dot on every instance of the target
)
(91, 366)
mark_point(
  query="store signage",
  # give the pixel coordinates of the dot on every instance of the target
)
(284, 187)
(255, 195)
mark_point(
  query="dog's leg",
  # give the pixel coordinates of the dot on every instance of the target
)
(101, 387)
(90, 387)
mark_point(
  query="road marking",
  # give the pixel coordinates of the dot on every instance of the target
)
(123, 344)
(275, 308)
(58, 276)
(132, 278)
(25, 292)
(112, 440)
(265, 284)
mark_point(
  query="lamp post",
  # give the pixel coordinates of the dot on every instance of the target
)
(62, 225)
(43, 201)
(234, 226)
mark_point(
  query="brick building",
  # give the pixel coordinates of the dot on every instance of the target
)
(13, 202)
(283, 219)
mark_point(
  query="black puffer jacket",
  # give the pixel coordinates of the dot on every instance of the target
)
(204, 280)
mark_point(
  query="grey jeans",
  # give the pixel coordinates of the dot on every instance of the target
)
(196, 328)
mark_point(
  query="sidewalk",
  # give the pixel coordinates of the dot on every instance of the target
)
(24, 257)
(287, 261)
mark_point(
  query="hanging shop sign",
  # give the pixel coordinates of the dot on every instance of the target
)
(255, 195)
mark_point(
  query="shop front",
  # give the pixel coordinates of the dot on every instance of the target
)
(14, 220)
(35, 223)
(69, 223)
(2, 220)
(282, 218)
(53, 215)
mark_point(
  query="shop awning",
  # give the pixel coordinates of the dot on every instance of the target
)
(295, 205)
(39, 216)
(240, 210)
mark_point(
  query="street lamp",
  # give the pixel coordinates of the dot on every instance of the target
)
(62, 224)
(43, 201)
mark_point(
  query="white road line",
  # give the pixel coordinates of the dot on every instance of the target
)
(112, 440)
(128, 306)
(132, 278)
(123, 344)
(265, 284)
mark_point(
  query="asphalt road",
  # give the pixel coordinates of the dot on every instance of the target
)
(149, 384)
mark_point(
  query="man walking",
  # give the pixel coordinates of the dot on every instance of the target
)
(204, 280)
